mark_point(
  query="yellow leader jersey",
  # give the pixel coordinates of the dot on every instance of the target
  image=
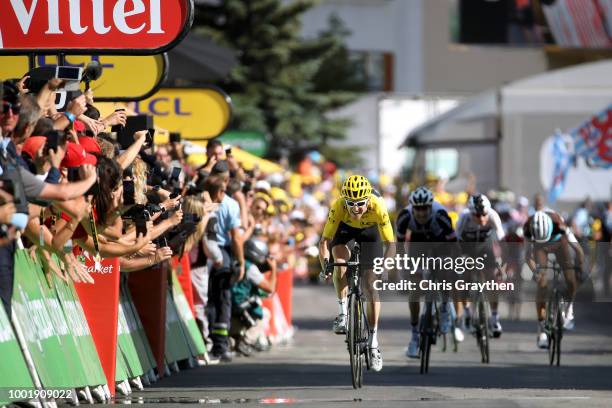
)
(376, 214)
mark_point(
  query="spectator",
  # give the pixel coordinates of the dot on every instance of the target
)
(229, 239)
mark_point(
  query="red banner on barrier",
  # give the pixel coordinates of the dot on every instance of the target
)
(100, 302)
(182, 267)
(149, 288)
(284, 288)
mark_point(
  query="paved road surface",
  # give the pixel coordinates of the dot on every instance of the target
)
(313, 370)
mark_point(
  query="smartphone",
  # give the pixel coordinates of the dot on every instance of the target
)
(120, 110)
(73, 174)
(175, 137)
(141, 227)
(176, 173)
(71, 73)
(52, 140)
(129, 196)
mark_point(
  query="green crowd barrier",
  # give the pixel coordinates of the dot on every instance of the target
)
(54, 327)
(188, 323)
(126, 347)
(14, 373)
(177, 348)
(55, 333)
(45, 337)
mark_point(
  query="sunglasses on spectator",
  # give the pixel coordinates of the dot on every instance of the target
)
(6, 106)
(356, 203)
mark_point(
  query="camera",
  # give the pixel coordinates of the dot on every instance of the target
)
(129, 193)
(125, 134)
(141, 225)
(70, 76)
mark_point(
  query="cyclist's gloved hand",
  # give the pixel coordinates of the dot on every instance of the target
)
(500, 269)
(327, 270)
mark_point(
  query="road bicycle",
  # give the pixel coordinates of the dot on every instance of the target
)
(555, 305)
(358, 331)
(429, 328)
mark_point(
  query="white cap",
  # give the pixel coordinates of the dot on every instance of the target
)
(262, 185)
(297, 215)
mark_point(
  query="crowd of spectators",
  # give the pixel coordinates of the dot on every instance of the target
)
(78, 188)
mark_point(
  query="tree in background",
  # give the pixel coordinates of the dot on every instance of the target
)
(283, 85)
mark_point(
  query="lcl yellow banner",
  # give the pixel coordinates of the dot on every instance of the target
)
(198, 114)
(124, 78)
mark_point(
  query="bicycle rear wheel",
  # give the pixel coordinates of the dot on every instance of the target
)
(353, 334)
(482, 331)
(426, 333)
(551, 325)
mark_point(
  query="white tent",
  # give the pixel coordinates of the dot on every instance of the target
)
(503, 135)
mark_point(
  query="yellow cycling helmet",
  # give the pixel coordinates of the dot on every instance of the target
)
(356, 187)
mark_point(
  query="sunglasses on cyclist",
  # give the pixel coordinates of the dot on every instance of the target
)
(356, 203)
(6, 106)
(421, 208)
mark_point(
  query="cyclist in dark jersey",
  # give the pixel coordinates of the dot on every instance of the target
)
(424, 220)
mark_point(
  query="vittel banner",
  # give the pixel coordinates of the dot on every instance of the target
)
(93, 26)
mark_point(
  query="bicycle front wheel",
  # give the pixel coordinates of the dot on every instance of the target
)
(353, 334)
(551, 327)
(482, 331)
(558, 333)
(426, 337)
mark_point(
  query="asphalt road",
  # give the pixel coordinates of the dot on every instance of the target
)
(313, 370)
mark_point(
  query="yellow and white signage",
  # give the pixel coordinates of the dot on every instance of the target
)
(198, 114)
(124, 78)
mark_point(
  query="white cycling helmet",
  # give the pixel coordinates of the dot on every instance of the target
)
(541, 227)
(420, 197)
(479, 204)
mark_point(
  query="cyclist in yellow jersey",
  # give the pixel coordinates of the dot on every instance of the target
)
(360, 216)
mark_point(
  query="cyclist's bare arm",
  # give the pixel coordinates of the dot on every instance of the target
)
(530, 257)
(389, 249)
(576, 246)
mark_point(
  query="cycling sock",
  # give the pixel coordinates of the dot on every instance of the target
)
(374, 337)
(342, 306)
(415, 329)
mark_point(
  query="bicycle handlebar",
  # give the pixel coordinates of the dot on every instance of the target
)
(341, 264)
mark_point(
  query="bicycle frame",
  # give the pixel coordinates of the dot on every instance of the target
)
(357, 334)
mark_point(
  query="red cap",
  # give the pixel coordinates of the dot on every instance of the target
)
(33, 144)
(79, 126)
(90, 159)
(75, 155)
(90, 144)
